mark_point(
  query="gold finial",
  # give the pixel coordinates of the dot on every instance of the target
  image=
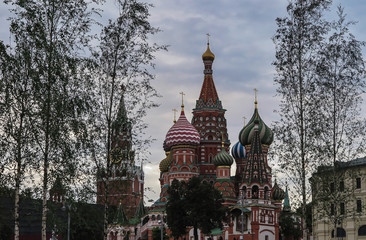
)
(244, 120)
(182, 93)
(208, 55)
(222, 140)
(175, 111)
(275, 176)
(255, 93)
(120, 202)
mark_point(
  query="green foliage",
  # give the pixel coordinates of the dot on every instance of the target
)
(308, 213)
(289, 227)
(122, 59)
(341, 72)
(48, 37)
(320, 77)
(194, 204)
(156, 233)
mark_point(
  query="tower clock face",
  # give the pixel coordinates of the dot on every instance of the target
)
(116, 155)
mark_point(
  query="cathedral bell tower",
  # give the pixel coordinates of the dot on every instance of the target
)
(209, 120)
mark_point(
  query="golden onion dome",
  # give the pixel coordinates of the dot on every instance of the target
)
(166, 162)
(208, 55)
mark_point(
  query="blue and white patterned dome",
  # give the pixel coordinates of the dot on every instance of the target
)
(238, 151)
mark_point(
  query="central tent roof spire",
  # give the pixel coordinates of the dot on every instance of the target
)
(208, 96)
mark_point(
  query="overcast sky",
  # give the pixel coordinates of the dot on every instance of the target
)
(241, 32)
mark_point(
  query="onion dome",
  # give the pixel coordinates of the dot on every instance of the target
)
(247, 133)
(182, 133)
(166, 162)
(238, 151)
(208, 55)
(223, 158)
(277, 193)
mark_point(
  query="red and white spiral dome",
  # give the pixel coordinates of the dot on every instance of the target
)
(182, 133)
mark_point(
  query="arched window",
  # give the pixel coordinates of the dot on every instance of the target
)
(362, 231)
(244, 191)
(255, 192)
(210, 158)
(153, 217)
(340, 232)
(265, 193)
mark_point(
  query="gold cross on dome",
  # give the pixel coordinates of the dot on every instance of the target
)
(255, 94)
(175, 111)
(182, 93)
(275, 175)
(208, 38)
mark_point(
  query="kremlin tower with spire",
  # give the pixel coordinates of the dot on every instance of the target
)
(126, 180)
(201, 149)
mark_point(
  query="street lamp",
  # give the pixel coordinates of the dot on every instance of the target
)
(161, 229)
(68, 208)
(242, 213)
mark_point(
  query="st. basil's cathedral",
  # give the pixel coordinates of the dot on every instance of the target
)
(201, 148)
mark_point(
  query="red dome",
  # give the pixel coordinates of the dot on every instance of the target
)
(182, 133)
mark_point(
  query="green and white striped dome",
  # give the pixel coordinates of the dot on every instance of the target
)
(247, 133)
(223, 158)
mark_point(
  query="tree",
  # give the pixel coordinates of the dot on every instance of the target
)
(55, 33)
(289, 227)
(298, 40)
(156, 233)
(17, 147)
(194, 204)
(123, 59)
(341, 73)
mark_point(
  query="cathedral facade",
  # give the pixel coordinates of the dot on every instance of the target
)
(201, 148)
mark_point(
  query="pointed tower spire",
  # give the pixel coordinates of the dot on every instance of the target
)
(209, 118)
(120, 217)
(208, 96)
(140, 211)
(121, 126)
(286, 202)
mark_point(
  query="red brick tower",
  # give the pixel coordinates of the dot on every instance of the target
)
(209, 120)
(126, 183)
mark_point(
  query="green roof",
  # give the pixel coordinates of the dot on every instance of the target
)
(216, 231)
(120, 217)
(157, 210)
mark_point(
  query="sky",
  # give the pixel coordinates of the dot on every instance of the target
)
(241, 32)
